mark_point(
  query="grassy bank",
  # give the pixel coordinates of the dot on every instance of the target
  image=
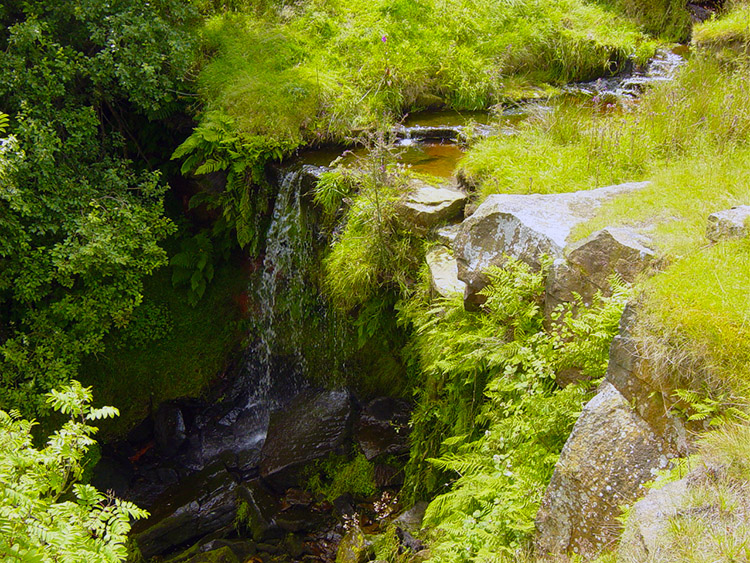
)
(314, 71)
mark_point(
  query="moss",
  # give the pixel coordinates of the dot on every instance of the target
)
(337, 475)
(136, 376)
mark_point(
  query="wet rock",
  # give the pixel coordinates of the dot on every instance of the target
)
(524, 227)
(223, 554)
(300, 519)
(383, 427)
(649, 519)
(169, 429)
(259, 507)
(196, 507)
(408, 541)
(444, 272)
(727, 224)
(610, 454)
(344, 505)
(591, 261)
(411, 520)
(427, 206)
(314, 425)
(387, 475)
(354, 548)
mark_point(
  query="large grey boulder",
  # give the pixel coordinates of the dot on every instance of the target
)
(314, 425)
(650, 517)
(524, 227)
(729, 223)
(426, 206)
(444, 272)
(610, 454)
(589, 263)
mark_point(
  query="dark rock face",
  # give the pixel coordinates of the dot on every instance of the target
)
(200, 506)
(169, 429)
(315, 424)
(383, 427)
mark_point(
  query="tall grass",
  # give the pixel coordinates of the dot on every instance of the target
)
(312, 71)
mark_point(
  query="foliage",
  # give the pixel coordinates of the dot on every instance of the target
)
(45, 515)
(80, 222)
(337, 475)
(490, 420)
(216, 146)
(669, 19)
(375, 256)
(195, 264)
(313, 71)
(731, 30)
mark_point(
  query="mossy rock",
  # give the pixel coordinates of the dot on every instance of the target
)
(222, 555)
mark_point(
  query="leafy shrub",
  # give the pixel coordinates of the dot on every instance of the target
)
(490, 420)
(46, 515)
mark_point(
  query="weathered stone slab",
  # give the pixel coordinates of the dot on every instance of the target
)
(727, 224)
(447, 235)
(524, 227)
(610, 454)
(591, 261)
(315, 424)
(444, 272)
(426, 206)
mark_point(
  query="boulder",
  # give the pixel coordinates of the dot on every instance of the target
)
(648, 521)
(730, 223)
(314, 425)
(411, 520)
(631, 372)
(383, 427)
(223, 554)
(447, 235)
(610, 454)
(590, 262)
(199, 505)
(444, 272)
(426, 206)
(524, 227)
(258, 510)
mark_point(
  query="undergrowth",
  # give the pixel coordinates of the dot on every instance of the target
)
(689, 138)
(490, 420)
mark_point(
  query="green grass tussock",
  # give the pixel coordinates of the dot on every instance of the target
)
(730, 30)
(313, 71)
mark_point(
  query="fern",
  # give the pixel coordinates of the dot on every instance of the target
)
(490, 421)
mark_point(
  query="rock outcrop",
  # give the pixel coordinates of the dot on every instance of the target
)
(383, 427)
(730, 223)
(525, 227)
(610, 454)
(314, 425)
(649, 518)
(589, 263)
(624, 435)
(427, 206)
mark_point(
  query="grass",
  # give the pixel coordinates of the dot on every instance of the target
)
(189, 352)
(314, 71)
(732, 30)
(689, 138)
(711, 520)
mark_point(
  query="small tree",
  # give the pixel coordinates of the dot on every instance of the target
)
(45, 514)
